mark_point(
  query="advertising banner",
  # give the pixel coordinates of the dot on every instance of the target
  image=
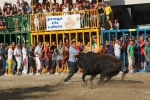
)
(63, 22)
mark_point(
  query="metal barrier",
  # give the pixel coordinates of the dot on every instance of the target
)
(21, 37)
(88, 19)
(79, 35)
(17, 23)
(122, 34)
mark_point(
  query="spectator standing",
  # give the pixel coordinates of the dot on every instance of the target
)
(39, 54)
(65, 8)
(47, 57)
(116, 25)
(72, 61)
(6, 59)
(31, 60)
(25, 59)
(10, 59)
(108, 12)
(87, 47)
(142, 43)
(18, 56)
(53, 46)
(101, 12)
(110, 48)
(147, 54)
(62, 57)
(102, 49)
(117, 49)
(131, 59)
(57, 60)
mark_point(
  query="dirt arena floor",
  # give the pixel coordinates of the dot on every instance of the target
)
(51, 87)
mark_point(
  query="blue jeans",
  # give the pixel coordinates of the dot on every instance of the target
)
(148, 66)
(73, 70)
(102, 20)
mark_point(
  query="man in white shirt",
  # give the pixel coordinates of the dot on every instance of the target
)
(18, 56)
(117, 49)
(10, 58)
(38, 56)
(25, 59)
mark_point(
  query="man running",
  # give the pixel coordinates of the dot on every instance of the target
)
(72, 61)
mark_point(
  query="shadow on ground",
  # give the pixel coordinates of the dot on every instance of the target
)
(28, 93)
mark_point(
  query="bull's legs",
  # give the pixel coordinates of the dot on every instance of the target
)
(101, 81)
(92, 78)
(108, 79)
(83, 78)
(91, 81)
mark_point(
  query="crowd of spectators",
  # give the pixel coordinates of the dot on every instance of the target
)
(89, 14)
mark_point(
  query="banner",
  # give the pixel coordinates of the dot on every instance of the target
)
(63, 22)
(3, 23)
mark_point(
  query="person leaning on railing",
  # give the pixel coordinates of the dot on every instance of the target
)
(8, 12)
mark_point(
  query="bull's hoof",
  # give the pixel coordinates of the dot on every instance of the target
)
(91, 86)
(100, 83)
(84, 84)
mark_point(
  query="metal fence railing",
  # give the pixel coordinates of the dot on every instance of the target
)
(15, 23)
(88, 19)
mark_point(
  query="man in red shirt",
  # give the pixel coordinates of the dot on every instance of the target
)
(47, 57)
(142, 42)
(78, 47)
(78, 50)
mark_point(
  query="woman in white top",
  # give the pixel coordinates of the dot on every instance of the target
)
(38, 55)
(116, 25)
(10, 57)
(65, 8)
(25, 59)
(74, 9)
(18, 56)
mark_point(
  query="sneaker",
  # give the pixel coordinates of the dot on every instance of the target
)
(38, 74)
(62, 73)
(120, 72)
(31, 73)
(66, 82)
(56, 73)
(111, 29)
(5, 74)
(10, 75)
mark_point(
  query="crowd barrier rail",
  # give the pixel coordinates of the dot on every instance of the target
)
(122, 32)
(15, 23)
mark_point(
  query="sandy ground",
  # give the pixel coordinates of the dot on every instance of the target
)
(51, 87)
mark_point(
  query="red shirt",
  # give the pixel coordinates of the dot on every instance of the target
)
(46, 52)
(141, 48)
(78, 48)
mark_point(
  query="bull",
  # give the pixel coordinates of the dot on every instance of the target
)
(105, 65)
